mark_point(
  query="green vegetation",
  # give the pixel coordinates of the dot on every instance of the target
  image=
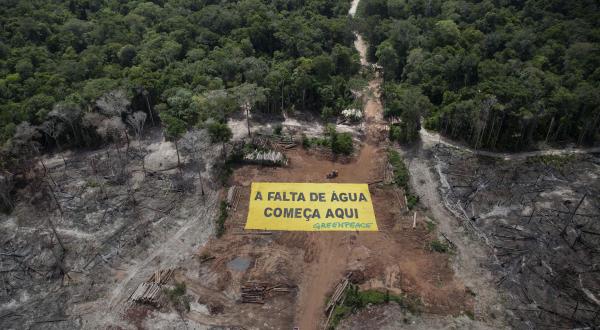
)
(339, 143)
(223, 214)
(66, 67)
(177, 297)
(356, 300)
(470, 314)
(438, 246)
(430, 225)
(555, 161)
(402, 177)
(494, 74)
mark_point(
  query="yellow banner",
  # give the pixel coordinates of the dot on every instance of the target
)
(310, 207)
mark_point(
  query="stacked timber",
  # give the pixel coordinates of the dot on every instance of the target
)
(262, 142)
(270, 157)
(337, 295)
(286, 142)
(336, 298)
(161, 276)
(147, 293)
(255, 292)
(233, 197)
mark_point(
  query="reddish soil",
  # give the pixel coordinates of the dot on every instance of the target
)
(397, 258)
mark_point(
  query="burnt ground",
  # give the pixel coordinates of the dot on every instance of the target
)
(84, 231)
(539, 216)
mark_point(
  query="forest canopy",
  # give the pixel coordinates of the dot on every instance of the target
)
(67, 66)
(499, 74)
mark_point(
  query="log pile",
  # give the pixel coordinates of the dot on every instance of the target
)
(337, 295)
(269, 158)
(233, 197)
(286, 142)
(336, 298)
(150, 291)
(256, 292)
(161, 276)
(147, 293)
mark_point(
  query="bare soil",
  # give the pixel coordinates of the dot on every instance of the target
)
(397, 258)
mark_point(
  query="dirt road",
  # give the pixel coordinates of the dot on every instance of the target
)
(429, 138)
(396, 258)
(323, 274)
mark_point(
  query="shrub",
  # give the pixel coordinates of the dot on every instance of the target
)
(341, 143)
(430, 226)
(411, 200)
(438, 246)
(395, 133)
(305, 141)
(401, 175)
(177, 297)
(356, 299)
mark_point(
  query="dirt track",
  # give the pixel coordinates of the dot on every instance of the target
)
(396, 258)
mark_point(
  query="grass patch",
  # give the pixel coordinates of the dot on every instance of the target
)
(356, 300)
(438, 246)
(223, 214)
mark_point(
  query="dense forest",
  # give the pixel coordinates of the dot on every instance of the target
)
(76, 72)
(503, 74)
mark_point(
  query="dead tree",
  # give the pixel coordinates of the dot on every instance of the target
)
(6, 186)
(196, 143)
(137, 121)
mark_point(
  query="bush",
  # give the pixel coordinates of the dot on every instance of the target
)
(438, 246)
(341, 143)
(277, 130)
(356, 299)
(411, 200)
(177, 297)
(305, 141)
(430, 226)
(401, 175)
(327, 112)
(395, 133)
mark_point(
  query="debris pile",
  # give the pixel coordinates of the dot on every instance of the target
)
(233, 197)
(255, 292)
(147, 293)
(270, 158)
(539, 217)
(286, 142)
(337, 297)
